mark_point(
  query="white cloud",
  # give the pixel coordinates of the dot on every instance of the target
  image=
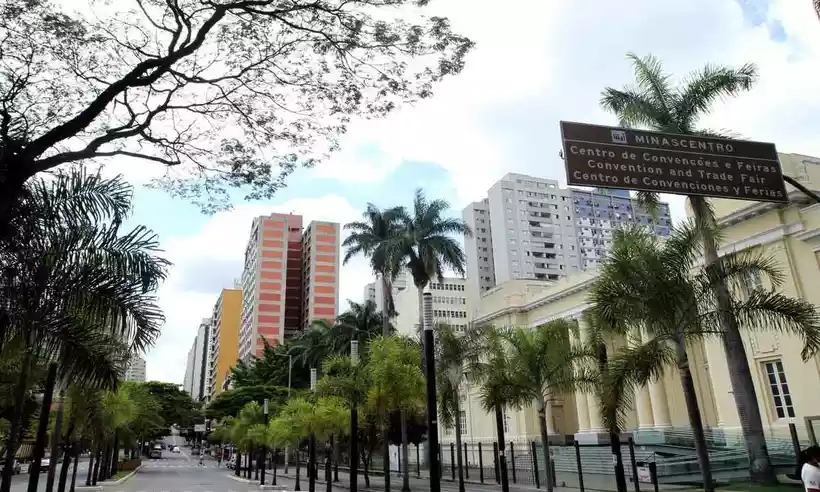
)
(212, 258)
(540, 62)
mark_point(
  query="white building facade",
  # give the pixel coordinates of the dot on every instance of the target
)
(135, 370)
(449, 306)
(531, 228)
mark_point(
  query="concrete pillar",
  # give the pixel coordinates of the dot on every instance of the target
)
(643, 403)
(660, 404)
(595, 424)
(550, 419)
(581, 408)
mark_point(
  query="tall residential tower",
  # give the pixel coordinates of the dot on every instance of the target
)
(224, 345)
(290, 278)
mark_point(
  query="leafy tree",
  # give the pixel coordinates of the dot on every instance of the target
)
(543, 362)
(360, 322)
(271, 369)
(175, 405)
(454, 352)
(654, 104)
(281, 82)
(426, 246)
(397, 383)
(375, 238)
(658, 287)
(312, 346)
(230, 402)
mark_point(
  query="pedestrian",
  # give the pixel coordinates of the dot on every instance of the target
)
(810, 472)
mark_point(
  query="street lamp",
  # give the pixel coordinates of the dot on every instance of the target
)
(264, 445)
(354, 424)
(430, 374)
(312, 442)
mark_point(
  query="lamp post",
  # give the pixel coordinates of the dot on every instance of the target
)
(264, 445)
(354, 424)
(290, 376)
(312, 442)
(430, 373)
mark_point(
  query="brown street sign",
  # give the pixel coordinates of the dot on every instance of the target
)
(611, 157)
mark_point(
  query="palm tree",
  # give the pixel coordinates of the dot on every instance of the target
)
(654, 104)
(454, 353)
(658, 287)
(375, 237)
(314, 345)
(544, 361)
(79, 286)
(494, 374)
(426, 246)
(361, 322)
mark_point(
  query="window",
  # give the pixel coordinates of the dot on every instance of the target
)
(779, 388)
(462, 422)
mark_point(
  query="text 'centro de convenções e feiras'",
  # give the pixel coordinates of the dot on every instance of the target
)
(672, 164)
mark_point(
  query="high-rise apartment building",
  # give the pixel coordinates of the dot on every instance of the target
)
(369, 292)
(449, 306)
(196, 371)
(531, 228)
(135, 370)
(290, 278)
(224, 344)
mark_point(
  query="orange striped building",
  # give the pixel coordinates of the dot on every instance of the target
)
(290, 279)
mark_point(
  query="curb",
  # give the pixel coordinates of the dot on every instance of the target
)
(90, 487)
(239, 479)
(123, 479)
(115, 482)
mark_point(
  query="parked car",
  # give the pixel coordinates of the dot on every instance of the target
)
(175, 449)
(156, 452)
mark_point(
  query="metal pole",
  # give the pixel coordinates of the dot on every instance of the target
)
(264, 446)
(290, 374)
(354, 425)
(312, 442)
(430, 373)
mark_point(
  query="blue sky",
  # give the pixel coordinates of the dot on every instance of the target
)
(501, 115)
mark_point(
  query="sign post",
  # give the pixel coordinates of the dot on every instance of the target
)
(629, 159)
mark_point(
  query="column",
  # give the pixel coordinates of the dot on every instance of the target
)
(581, 409)
(595, 424)
(643, 403)
(549, 415)
(657, 396)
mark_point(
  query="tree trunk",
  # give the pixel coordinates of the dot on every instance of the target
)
(90, 474)
(56, 436)
(386, 312)
(458, 463)
(68, 449)
(297, 485)
(15, 429)
(42, 428)
(695, 420)
(541, 406)
(386, 456)
(115, 453)
(366, 471)
(104, 463)
(502, 456)
(405, 460)
(238, 464)
(420, 289)
(740, 375)
(76, 449)
(96, 474)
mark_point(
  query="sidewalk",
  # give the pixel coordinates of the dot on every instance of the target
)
(565, 481)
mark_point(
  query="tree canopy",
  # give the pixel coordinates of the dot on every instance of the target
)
(237, 93)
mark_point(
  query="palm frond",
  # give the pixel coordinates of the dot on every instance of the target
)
(702, 88)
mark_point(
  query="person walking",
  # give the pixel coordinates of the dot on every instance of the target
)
(810, 472)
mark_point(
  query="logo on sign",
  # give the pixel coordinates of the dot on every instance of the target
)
(619, 137)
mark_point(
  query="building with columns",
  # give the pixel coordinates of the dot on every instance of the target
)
(789, 233)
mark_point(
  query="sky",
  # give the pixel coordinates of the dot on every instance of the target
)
(535, 63)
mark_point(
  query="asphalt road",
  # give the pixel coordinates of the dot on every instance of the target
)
(19, 483)
(180, 472)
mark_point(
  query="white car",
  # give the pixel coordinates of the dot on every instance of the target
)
(45, 463)
(175, 449)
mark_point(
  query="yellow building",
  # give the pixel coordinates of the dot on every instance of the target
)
(786, 386)
(224, 347)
